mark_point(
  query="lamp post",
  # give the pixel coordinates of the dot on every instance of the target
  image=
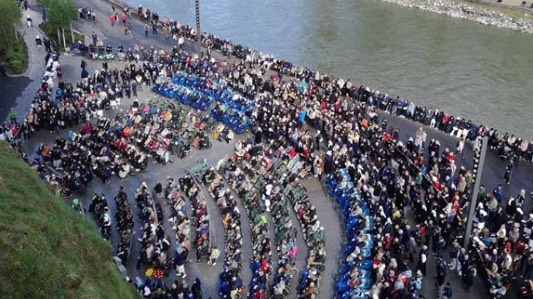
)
(198, 31)
(479, 161)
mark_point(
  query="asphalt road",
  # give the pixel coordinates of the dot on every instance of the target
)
(10, 90)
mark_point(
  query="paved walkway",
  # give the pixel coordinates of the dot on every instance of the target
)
(327, 214)
(15, 90)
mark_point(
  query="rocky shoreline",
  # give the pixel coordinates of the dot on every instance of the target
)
(485, 16)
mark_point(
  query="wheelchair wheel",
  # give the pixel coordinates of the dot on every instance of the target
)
(285, 292)
(293, 272)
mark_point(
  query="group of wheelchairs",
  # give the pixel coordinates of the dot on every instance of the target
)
(235, 119)
(174, 129)
(214, 89)
(230, 278)
(200, 93)
(184, 94)
(251, 186)
(354, 279)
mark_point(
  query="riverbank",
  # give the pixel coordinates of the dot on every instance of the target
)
(485, 14)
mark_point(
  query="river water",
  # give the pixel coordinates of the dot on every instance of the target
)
(478, 72)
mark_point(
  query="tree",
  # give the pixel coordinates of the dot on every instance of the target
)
(60, 13)
(10, 16)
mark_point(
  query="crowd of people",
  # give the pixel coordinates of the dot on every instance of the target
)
(265, 184)
(453, 183)
(124, 226)
(99, 207)
(255, 189)
(203, 232)
(303, 123)
(155, 244)
(231, 280)
(506, 143)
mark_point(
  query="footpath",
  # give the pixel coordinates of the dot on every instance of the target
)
(492, 175)
(14, 89)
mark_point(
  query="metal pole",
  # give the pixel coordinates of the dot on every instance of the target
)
(475, 193)
(198, 31)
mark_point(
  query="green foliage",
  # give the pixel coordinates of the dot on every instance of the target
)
(51, 33)
(10, 15)
(59, 13)
(46, 249)
(16, 58)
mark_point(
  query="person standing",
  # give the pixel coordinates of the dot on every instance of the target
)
(182, 254)
(95, 38)
(215, 253)
(528, 267)
(13, 116)
(454, 254)
(460, 148)
(467, 274)
(158, 189)
(38, 42)
(146, 29)
(134, 87)
(196, 289)
(422, 259)
(442, 272)
(508, 172)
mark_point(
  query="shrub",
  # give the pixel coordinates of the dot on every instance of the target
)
(16, 58)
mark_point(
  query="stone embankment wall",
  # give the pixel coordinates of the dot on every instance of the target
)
(461, 10)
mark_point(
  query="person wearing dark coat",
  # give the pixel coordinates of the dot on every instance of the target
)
(258, 137)
(328, 163)
(181, 257)
(196, 289)
(467, 276)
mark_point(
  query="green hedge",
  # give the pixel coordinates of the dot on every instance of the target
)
(17, 58)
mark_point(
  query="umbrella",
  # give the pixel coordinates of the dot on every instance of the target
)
(158, 273)
(149, 272)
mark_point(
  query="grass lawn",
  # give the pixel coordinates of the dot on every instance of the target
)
(48, 250)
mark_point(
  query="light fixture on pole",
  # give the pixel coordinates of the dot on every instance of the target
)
(477, 170)
(198, 31)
